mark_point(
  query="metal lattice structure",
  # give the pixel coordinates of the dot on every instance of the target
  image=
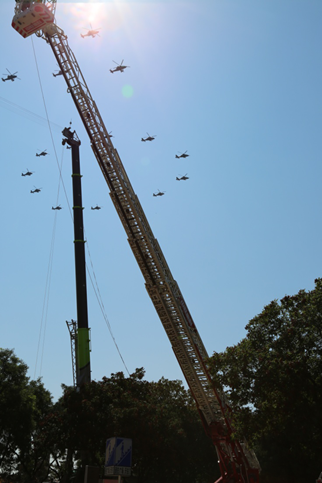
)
(237, 463)
(72, 328)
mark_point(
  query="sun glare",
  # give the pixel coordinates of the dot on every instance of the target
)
(127, 30)
(108, 16)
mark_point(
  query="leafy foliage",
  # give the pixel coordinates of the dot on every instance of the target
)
(41, 441)
(274, 381)
(169, 443)
(23, 406)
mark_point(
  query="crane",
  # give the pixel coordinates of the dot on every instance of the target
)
(237, 462)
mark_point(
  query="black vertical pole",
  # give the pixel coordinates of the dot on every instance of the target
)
(83, 339)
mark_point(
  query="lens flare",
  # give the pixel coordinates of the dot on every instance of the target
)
(127, 91)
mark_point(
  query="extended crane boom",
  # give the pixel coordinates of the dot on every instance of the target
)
(237, 462)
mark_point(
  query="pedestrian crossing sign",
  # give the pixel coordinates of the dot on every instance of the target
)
(118, 452)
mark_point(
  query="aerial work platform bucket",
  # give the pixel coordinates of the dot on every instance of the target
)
(31, 17)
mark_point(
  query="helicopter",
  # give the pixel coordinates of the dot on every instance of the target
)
(36, 190)
(183, 155)
(42, 153)
(159, 193)
(11, 77)
(58, 73)
(149, 138)
(91, 33)
(96, 207)
(58, 207)
(27, 173)
(182, 178)
(119, 67)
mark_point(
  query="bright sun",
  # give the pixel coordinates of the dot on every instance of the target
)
(92, 14)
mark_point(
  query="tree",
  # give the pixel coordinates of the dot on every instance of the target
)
(169, 443)
(273, 378)
(15, 414)
(23, 405)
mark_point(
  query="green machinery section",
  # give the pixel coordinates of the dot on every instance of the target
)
(83, 348)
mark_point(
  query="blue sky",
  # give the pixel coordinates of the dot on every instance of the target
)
(235, 83)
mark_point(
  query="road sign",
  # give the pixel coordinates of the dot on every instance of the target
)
(118, 457)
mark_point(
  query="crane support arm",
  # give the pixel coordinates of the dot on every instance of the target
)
(161, 286)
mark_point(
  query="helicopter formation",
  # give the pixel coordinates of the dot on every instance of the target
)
(177, 156)
(119, 68)
(93, 33)
(36, 190)
(178, 178)
(30, 173)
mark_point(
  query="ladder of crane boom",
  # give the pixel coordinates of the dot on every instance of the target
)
(189, 350)
(186, 354)
(197, 369)
(188, 360)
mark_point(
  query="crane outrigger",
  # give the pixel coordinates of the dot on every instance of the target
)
(237, 462)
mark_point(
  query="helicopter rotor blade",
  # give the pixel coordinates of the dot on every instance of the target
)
(115, 62)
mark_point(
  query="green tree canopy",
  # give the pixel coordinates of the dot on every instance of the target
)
(169, 443)
(23, 405)
(41, 441)
(274, 381)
